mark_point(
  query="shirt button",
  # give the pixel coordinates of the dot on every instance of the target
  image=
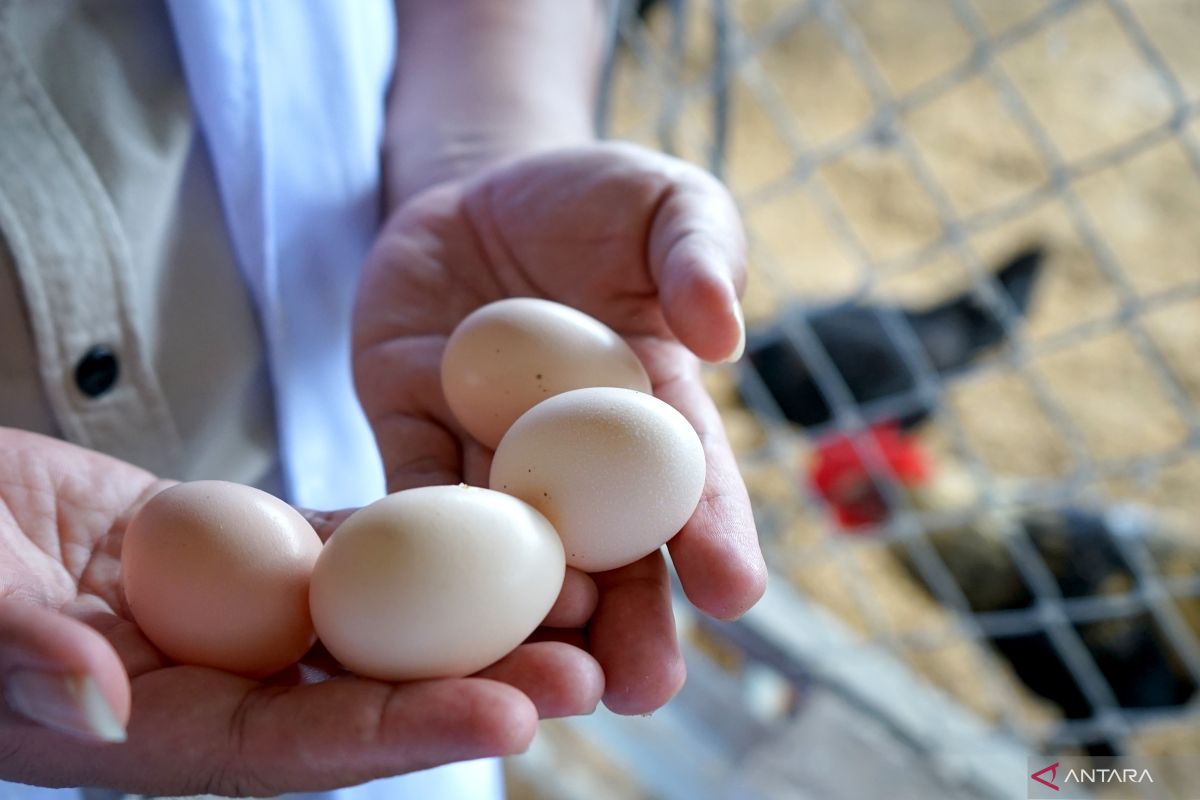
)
(97, 371)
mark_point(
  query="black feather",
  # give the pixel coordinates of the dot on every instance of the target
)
(858, 340)
(1079, 547)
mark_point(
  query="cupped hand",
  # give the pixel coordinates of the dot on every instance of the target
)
(90, 702)
(649, 245)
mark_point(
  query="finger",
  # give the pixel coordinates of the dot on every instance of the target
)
(419, 441)
(633, 637)
(576, 601)
(317, 665)
(349, 730)
(697, 255)
(344, 731)
(197, 730)
(61, 674)
(477, 461)
(576, 637)
(408, 413)
(716, 554)
(561, 680)
(326, 522)
(417, 452)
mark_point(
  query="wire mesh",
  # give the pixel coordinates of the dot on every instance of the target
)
(684, 67)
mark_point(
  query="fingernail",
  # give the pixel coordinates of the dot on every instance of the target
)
(63, 702)
(741, 342)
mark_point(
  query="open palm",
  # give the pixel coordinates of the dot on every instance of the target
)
(647, 244)
(65, 630)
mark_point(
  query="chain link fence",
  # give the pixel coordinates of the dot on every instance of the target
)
(889, 155)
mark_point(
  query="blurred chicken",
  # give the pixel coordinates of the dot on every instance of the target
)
(1081, 547)
(860, 344)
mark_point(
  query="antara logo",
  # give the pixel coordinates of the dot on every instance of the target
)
(1053, 770)
(1088, 773)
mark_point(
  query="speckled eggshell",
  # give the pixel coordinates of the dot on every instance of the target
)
(617, 472)
(216, 574)
(509, 355)
(435, 582)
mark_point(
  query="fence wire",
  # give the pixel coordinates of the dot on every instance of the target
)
(732, 69)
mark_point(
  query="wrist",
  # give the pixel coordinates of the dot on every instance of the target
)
(417, 160)
(478, 83)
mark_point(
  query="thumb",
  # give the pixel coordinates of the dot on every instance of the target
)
(61, 674)
(697, 255)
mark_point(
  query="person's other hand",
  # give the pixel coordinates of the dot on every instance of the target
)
(77, 673)
(649, 245)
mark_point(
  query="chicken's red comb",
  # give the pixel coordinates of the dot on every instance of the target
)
(838, 459)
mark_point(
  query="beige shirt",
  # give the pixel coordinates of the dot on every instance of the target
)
(114, 252)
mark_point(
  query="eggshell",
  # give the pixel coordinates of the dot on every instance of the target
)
(617, 472)
(510, 355)
(216, 574)
(435, 582)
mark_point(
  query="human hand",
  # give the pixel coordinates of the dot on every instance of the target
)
(77, 673)
(647, 244)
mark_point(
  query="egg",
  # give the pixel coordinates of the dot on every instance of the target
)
(617, 472)
(216, 574)
(435, 582)
(509, 355)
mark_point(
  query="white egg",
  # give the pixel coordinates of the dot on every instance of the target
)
(434, 582)
(507, 356)
(617, 472)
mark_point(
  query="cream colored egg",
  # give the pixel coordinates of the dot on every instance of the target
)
(617, 472)
(507, 356)
(216, 574)
(435, 582)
